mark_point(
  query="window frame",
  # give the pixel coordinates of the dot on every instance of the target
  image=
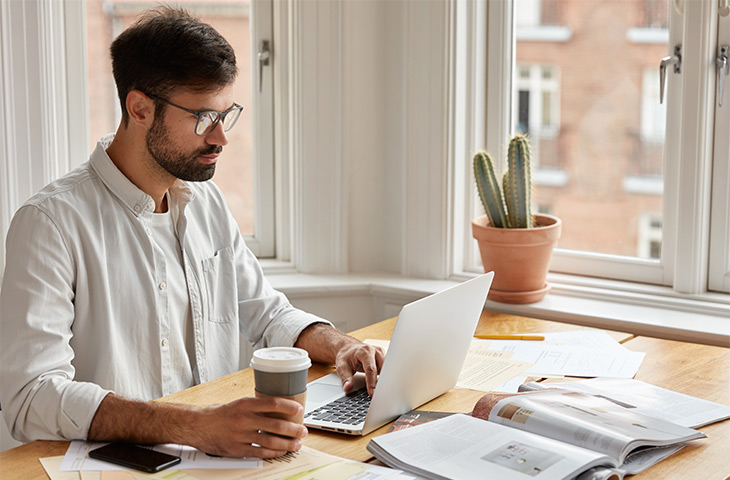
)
(680, 183)
(263, 242)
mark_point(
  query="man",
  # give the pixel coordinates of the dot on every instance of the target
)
(128, 279)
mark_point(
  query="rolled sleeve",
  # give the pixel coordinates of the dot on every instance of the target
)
(39, 398)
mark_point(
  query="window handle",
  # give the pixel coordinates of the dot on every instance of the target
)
(724, 8)
(264, 60)
(675, 60)
(723, 67)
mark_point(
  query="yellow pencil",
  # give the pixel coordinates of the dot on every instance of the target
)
(510, 337)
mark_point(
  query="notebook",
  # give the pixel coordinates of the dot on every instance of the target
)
(427, 350)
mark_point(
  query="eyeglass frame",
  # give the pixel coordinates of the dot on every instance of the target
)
(199, 114)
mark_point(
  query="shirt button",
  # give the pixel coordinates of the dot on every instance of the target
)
(149, 232)
(137, 208)
(162, 285)
(151, 205)
(163, 342)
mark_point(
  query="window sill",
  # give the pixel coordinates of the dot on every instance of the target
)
(638, 309)
(635, 308)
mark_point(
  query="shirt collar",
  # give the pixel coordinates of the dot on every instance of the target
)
(130, 195)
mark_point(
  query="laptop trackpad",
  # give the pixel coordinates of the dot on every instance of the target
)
(321, 392)
(329, 388)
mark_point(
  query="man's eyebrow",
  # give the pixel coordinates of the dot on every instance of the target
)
(214, 110)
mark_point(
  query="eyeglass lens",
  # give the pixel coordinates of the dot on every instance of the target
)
(207, 121)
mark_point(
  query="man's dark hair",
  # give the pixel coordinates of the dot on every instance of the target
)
(168, 48)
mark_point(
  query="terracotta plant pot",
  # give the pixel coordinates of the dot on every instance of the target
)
(519, 257)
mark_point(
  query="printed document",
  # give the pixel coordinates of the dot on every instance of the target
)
(569, 360)
(77, 458)
(486, 369)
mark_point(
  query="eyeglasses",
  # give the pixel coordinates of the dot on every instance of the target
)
(208, 119)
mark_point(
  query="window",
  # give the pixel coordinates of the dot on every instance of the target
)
(634, 187)
(653, 111)
(537, 111)
(248, 190)
(650, 236)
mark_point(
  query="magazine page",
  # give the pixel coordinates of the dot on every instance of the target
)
(586, 421)
(649, 399)
(466, 448)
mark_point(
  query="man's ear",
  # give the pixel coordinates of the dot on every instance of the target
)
(141, 108)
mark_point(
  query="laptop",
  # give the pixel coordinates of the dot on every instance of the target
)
(426, 353)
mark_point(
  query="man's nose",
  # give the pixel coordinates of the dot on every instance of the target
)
(217, 136)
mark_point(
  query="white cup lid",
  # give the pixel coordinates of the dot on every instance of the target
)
(280, 359)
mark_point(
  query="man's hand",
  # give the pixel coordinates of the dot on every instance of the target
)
(359, 357)
(242, 428)
(349, 355)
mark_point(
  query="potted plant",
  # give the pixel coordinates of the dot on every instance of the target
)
(513, 242)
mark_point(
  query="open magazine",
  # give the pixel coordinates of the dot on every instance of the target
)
(646, 398)
(549, 434)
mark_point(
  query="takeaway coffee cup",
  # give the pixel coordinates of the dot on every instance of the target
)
(282, 372)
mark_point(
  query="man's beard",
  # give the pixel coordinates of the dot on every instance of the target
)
(182, 165)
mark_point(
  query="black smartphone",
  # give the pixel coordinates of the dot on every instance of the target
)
(132, 456)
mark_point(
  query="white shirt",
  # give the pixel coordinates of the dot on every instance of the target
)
(180, 339)
(84, 308)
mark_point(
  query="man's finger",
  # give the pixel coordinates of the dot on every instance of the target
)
(371, 374)
(268, 405)
(346, 373)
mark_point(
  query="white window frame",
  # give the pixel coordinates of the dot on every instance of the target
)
(263, 242)
(693, 87)
(719, 270)
(650, 294)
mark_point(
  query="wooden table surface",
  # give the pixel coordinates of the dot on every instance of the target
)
(694, 369)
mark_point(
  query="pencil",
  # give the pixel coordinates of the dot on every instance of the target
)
(510, 337)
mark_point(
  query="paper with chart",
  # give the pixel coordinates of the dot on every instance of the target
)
(486, 369)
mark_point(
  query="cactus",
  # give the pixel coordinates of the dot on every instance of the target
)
(516, 183)
(489, 191)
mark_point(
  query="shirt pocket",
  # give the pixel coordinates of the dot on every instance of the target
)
(219, 276)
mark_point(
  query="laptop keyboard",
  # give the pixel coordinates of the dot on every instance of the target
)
(347, 410)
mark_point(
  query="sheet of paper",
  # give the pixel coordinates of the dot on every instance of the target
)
(77, 458)
(598, 339)
(52, 467)
(293, 465)
(566, 360)
(511, 386)
(349, 470)
(486, 369)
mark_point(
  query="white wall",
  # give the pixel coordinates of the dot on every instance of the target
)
(374, 138)
(370, 166)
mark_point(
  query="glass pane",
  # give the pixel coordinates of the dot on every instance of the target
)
(591, 106)
(107, 18)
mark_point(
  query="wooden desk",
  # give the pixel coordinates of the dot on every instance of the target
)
(698, 370)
